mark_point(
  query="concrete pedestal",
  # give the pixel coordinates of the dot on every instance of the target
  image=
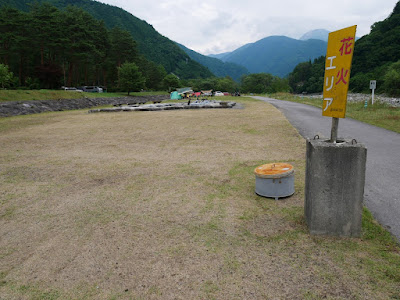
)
(334, 191)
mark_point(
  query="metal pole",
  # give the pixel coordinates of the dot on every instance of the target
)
(334, 130)
(373, 90)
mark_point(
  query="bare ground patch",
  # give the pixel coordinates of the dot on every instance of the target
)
(161, 205)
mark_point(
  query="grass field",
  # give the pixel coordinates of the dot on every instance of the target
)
(379, 114)
(161, 205)
(27, 95)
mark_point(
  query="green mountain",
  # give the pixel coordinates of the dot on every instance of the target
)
(277, 55)
(151, 44)
(376, 57)
(378, 49)
(218, 67)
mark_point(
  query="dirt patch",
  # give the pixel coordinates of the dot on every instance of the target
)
(161, 205)
(390, 117)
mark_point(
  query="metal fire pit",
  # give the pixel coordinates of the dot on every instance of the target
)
(275, 180)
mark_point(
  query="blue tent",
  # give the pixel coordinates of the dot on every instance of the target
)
(175, 96)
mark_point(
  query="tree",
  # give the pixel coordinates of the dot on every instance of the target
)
(279, 85)
(80, 45)
(392, 80)
(47, 29)
(130, 78)
(308, 77)
(256, 83)
(360, 82)
(123, 46)
(299, 76)
(9, 27)
(153, 73)
(226, 84)
(5, 76)
(171, 82)
(49, 75)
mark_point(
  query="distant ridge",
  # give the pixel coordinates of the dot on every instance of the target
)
(317, 34)
(219, 56)
(217, 66)
(277, 55)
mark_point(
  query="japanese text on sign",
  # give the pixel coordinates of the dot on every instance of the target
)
(339, 55)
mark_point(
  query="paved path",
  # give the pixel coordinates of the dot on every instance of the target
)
(382, 187)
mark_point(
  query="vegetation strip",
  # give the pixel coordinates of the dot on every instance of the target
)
(380, 114)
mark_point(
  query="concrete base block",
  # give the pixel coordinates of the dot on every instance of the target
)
(334, 191)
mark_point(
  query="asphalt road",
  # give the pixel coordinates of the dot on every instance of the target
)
(382, 186)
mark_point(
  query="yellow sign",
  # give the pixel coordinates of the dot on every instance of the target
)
(339, 55)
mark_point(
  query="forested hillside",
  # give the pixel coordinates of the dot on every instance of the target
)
(47, 48)
(376, 57)
(151, 44)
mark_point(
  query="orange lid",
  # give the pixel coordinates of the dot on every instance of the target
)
(274, 170)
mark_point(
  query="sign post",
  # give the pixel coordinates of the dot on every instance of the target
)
(372, 86)
(339, 55)
(335, 170)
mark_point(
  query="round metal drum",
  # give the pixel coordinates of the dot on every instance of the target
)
(275, 180)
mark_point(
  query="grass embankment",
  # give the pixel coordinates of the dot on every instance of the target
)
(161, 205)
(27, 95)
(379, 114)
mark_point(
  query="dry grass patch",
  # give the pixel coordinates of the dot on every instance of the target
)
(161, 205)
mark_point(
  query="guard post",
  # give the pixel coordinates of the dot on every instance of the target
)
(335, 168)
(372, 86)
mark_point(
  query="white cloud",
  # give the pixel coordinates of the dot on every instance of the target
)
(212, 26)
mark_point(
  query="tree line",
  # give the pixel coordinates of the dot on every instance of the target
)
(258, 83)
(47, 48)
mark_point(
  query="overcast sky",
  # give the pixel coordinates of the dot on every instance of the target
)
(216, 26)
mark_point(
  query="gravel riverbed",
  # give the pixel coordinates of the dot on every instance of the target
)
(353, 97)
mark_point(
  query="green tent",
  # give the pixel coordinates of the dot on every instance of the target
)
(175, 96)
